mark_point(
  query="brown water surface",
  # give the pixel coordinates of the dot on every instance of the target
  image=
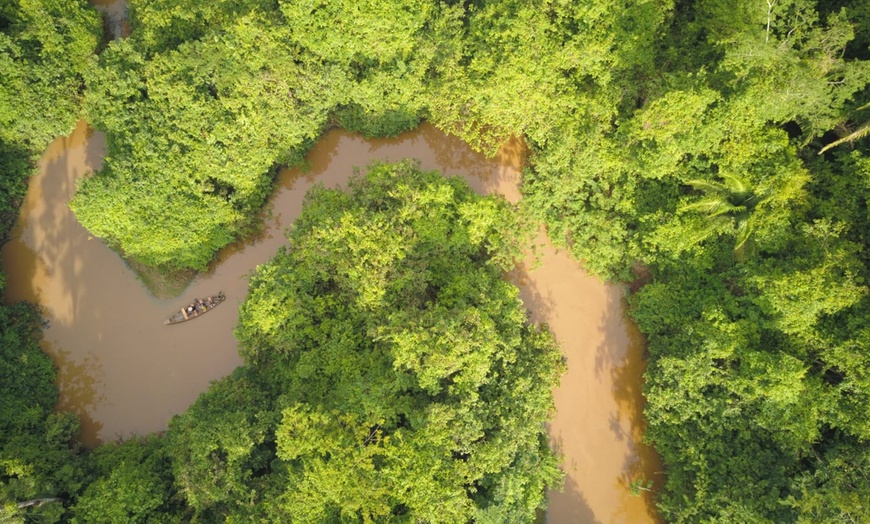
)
(126, 373)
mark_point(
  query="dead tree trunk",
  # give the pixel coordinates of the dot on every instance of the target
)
(35, 503)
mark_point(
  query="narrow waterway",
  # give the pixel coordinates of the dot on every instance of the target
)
(126, 373)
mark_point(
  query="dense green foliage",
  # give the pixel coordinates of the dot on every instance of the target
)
(677, 135)
(38, 456)
(27, 373)
(756, 316)
(404, 379)
(45, 47)
(128, 482)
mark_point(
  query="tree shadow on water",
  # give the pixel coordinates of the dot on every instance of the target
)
(622, 354)
(455, 155)
(62, 245)
(95, 149)
(539, 302)
(80, 385)
(567, 505)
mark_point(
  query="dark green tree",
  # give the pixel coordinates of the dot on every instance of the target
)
(223, 448)
(39, 456)
(132, 482)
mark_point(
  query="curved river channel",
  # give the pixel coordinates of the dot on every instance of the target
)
(125, 373)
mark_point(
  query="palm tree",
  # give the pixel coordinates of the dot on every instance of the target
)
(861, 132)
(731, 201)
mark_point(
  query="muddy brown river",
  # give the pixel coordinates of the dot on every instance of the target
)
(125, 373)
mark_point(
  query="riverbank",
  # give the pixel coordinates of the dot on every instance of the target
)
(126, 374)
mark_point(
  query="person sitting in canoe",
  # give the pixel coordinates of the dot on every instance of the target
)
(195, 307)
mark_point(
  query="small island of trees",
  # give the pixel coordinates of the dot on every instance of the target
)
(718, 148)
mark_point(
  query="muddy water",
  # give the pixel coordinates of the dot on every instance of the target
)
(598, 425)
(125, 373)
(119, 367)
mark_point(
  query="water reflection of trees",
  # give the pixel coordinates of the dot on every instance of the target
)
(571, 506)
(626, 365)
(604, 379)
(80, 386)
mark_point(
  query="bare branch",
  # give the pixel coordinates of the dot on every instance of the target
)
(769, 9)
(37, 502)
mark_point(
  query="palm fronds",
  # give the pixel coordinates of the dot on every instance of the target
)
(858, 134)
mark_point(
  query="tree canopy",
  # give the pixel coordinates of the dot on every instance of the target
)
(757, 248)
(407, 381)
(45, 48)
(201, 101)
(680, 138)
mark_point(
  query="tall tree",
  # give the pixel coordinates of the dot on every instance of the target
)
(45, 48)
(412, 385)
(196, 133)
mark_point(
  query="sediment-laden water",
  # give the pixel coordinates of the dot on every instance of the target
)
(126, 373)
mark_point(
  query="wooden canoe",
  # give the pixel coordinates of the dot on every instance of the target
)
(197, 308)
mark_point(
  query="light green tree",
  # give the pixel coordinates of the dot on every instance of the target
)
(412, 386)
(45, 48)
